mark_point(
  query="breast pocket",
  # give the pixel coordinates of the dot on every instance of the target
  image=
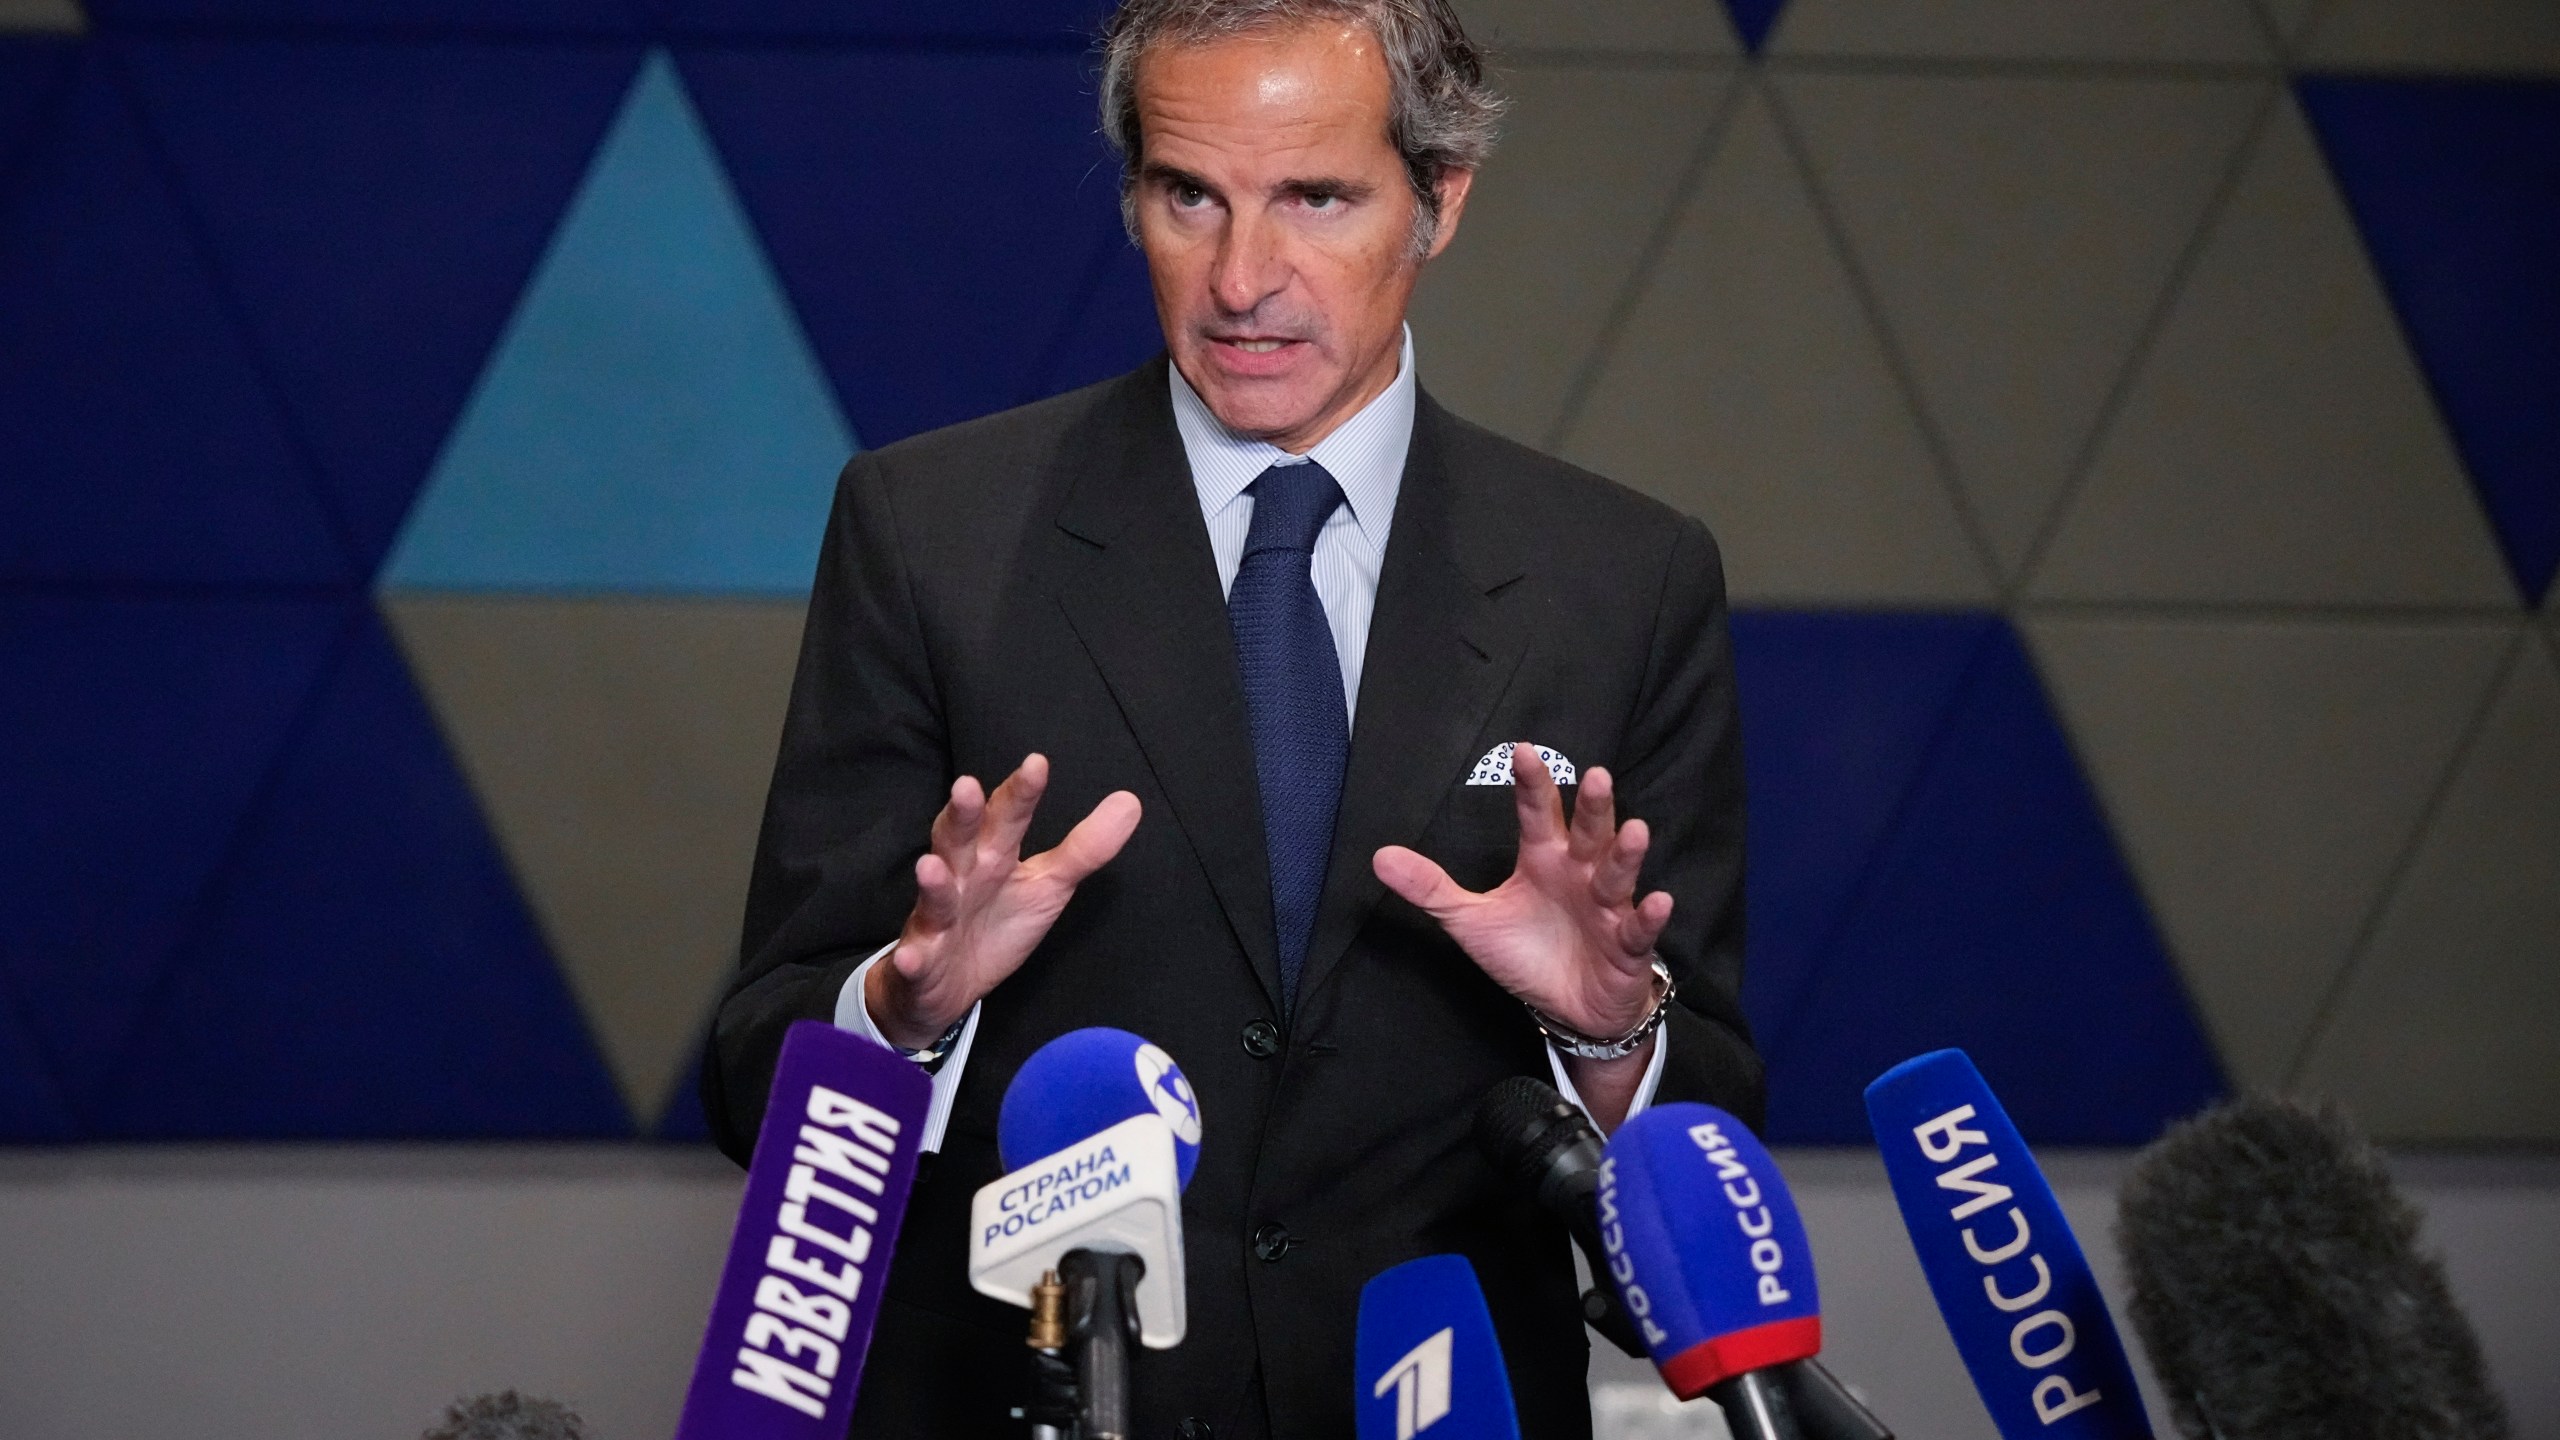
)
(1476, 835)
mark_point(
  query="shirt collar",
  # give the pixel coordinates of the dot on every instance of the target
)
(1365, 454)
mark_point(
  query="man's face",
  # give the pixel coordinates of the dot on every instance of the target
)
(1278, 224)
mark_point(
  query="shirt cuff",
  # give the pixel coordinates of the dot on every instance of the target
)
(854, 1015)
(1651, 1082)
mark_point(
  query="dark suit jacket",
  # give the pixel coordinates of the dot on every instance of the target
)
(1041, 580)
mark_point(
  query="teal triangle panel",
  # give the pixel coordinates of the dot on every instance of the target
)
(1839, 709)
(366, 968)
(139, 440)
(2456, 186)
(1998, 918)
(141, 730)
(937, 217)
(377, 207)
(652, 420)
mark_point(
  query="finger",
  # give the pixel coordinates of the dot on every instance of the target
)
(1613, 879)
(1595, 814)
(1092, 843)
(1010, 809)
(937, 892)
(1642, 929)
(1420, 880)
(1534, 796)
(955, 827)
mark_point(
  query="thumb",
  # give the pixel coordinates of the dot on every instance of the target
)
(1420, 880)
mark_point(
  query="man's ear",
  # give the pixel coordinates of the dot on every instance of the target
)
(1453, 185)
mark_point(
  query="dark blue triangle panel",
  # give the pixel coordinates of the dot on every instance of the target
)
(682, 1121)
(141, 731)
(378, 207)
(512, 17)
(1753, 20)
(1063, 25)
(32, 1107)
(2456, 186)
(139, 439)
(32, 70)
(1114, 326)
(1998, 917)
(1838, 712)
(366, 968)
(935, 217)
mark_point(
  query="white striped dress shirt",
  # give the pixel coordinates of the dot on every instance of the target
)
(1365, 456)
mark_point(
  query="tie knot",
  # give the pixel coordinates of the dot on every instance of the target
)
(1290, 505)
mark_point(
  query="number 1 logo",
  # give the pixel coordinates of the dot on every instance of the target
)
(1420, 1379)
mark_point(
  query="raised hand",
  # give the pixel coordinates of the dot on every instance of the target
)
(1566, 932)
(981, 908)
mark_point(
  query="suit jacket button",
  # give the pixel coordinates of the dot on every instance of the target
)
(1272, 1241)
(1262, 1039)
(1195, 1428)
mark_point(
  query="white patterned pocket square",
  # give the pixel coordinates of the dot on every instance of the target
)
(1495, 767)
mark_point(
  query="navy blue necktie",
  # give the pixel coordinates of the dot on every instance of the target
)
(1292, 697)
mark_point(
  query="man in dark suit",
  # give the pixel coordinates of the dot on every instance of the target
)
(1264, 618)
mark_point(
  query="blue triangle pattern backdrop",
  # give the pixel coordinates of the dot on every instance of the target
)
(651, 418)
(2456, 186)
(594, 297)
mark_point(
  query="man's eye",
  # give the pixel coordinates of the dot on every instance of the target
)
(1190, 196)
(1322, 201)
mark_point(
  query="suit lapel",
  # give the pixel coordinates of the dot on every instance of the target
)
(1438, 661)
(1148, 611)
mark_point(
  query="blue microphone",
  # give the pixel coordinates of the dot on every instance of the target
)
(1086, 1081)
(1099, 1132)
(2010, 1280)
(1428, 1360)
(1706, 1248)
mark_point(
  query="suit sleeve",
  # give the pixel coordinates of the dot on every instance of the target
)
(863, 767)
(1681, 772)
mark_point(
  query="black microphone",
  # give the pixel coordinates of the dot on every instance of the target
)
(1544, 1142)
(2278, 1284)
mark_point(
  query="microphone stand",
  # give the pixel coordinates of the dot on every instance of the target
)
(1825, 1407)
(1052, 1411)
(1102, 1333)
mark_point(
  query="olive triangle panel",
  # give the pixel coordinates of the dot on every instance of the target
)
(377, 207)
(1998, 917)
(366, 970)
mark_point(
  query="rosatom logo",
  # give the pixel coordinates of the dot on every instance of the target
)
(1421, 1382)
(1170, 1093)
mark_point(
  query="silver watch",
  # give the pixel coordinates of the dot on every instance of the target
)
(1570, 1041)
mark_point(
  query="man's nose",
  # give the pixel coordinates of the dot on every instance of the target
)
(1251, 266)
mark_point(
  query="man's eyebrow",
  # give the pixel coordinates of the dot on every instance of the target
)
(1348, 189)
(1158, 173)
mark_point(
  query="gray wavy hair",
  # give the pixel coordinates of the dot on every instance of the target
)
(1441, 116)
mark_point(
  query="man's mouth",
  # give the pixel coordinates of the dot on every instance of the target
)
(1254, 344)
